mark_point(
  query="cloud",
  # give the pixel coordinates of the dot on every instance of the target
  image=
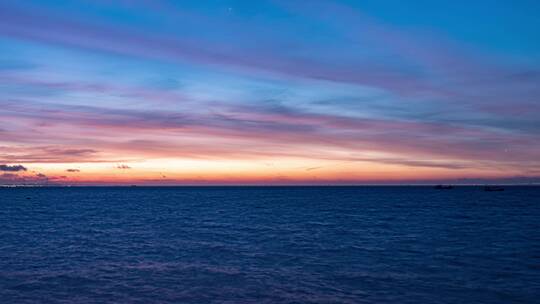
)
(14, 168)
(409, 74)
(37, 179)
(123, 167)
(41, 175)
(45, 154)
(9, 176)
(73, 170)
(261, 130)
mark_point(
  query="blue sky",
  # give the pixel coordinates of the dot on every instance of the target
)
(266, 91)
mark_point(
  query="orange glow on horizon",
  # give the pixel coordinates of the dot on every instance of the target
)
(261, 171)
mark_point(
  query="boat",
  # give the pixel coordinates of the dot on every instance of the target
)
(444, 187)
(493, 188)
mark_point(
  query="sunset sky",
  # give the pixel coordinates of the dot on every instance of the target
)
(157, 92)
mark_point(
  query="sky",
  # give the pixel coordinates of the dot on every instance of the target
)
(157, 92)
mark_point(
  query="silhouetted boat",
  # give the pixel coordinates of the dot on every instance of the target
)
(493, 188)
(444, 187)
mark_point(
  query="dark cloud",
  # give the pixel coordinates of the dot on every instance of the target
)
(73, 170)
(37, 179)
(123, 167)
(14, 168)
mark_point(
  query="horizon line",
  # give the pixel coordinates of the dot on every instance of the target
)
(264, 185)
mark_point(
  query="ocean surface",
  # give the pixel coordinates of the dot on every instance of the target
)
(269, 245)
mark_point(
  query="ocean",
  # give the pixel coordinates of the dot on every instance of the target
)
(269, 245)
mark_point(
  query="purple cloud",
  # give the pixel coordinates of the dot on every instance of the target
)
(14, 168)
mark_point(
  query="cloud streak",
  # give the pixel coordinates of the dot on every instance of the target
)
(429, 58)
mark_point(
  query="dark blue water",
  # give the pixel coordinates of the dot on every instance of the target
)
(269, 245)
